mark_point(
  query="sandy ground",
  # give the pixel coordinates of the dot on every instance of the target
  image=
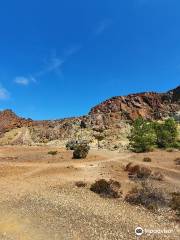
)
(39, 199)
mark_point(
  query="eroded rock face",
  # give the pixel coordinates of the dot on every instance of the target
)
(150, 105)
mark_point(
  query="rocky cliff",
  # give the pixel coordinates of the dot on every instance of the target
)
(148, 105)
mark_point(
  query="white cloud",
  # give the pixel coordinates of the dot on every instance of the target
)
(21, 80)
(4, 94)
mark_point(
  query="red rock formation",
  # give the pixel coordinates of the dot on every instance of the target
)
(150, 105)
(9, 120)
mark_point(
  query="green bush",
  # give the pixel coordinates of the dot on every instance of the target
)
(146, 135)
(143, 136)
(71, 145)
(166, 133)
(176, 145)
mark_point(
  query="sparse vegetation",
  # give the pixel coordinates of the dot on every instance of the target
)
(71, 145)
(177, 161)
(80, 184)
(110, 189)
(147, 196)
(175, 203)
(99, 136)
(81, 151)
(147, 159)
(128, 166)
(157, 176)
(53, 153)
(170, 149)
(138, 172)
(83, 124)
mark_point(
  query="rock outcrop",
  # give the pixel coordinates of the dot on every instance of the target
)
(149, 105)
(9, 120)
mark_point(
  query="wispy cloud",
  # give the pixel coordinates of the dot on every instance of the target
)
(72, 50)
(54, 63)
(4, 94)
(24, 81)
(102, 26)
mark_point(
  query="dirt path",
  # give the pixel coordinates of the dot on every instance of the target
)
(39, 199)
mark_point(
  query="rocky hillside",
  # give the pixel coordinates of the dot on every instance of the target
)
(9, 120)
(111, 119)
(149, 105)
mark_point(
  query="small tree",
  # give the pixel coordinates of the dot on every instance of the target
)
(166, 133)
(143, 136)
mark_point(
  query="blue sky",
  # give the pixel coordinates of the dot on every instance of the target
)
(59, 58)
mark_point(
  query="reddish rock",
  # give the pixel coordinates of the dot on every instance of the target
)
(150, 105)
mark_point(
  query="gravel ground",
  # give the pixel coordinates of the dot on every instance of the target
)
(47, 206)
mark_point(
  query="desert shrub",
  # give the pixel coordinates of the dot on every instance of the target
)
(80, 184)
(138, 172)
(52, 153)
(143, 136)
(175, 203)
(157, 176)
(105, 188)
(81, 151)
(83, 124)
(166, 133)
(147, 159)
(170, 149)
(99, 137)
(147, 196)
(71, 145)
(128, 166)
(177, 161)
(144, 172)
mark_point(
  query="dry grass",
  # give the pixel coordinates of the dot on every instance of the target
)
(147, 196)
(147, 159)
